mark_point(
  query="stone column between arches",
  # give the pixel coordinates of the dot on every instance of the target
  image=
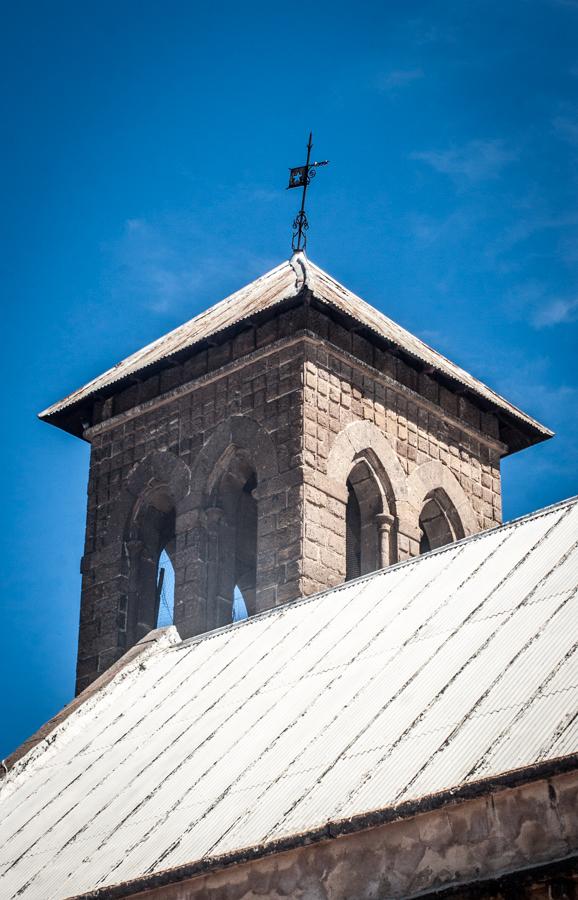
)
(209, 544)
(403, 499)
(396, 523)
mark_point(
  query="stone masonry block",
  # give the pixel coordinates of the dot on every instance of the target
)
(298, 395)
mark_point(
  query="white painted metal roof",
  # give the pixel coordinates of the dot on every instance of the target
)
(282, 283)
(440, 671)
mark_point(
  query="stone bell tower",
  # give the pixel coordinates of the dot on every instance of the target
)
(287, 439)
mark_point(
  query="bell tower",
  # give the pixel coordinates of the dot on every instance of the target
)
(287, 439)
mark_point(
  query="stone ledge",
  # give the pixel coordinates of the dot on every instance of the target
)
(517, 821)
(306, 337)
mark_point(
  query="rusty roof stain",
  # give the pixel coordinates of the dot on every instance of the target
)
(426, 677)
(282, 283)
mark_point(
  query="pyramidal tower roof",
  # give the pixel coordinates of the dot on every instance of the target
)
(294, 280)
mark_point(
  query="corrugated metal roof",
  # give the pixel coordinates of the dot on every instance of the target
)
(282, 283)
(458, 665)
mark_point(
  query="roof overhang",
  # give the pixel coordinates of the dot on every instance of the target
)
(514, 781)
(295, 282)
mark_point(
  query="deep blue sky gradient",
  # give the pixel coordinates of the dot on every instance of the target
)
(144, 159)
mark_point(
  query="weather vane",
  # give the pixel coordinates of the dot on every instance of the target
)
(301, 176)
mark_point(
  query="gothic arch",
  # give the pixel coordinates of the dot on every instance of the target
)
(367, 500)
(365, 438)
(155, 489)
(439, 523)
(161, 469)
(433, 478)
(238, 433)
(230, 473)
(363, 471)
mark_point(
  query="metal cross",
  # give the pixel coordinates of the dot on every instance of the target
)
(301, 176)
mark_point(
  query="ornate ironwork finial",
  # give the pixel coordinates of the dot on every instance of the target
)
(301, 176)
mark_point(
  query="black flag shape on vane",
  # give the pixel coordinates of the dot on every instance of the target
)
(300, 176)
(297, 177)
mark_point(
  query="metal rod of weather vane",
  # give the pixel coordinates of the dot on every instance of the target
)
(306, 179)
(305, 183)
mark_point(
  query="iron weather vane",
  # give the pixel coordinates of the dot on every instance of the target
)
(301, 176)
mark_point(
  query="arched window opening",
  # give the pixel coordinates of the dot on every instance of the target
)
(239, 605)
(233, 559)
(246, 541)
(353, 536)
(439, 522)
(165, 591)
(363, 550)
(150, 547)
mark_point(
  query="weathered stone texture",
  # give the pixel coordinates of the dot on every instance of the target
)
(510, 844)
(298, 410)
(339, 392)
(266, 390)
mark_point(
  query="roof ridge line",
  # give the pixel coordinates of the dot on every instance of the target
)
(458, 370)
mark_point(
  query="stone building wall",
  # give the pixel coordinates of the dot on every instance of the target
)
(267, 390)
(421, 445)
(513, 843)
(297, 400)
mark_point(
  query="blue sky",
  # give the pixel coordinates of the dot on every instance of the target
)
(144, 159)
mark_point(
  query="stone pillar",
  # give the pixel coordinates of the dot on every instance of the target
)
(190, 572)
(324, 515)
(104, 612)
(408, 531)
(279, 525)
(213, 601)
(134, 549)
(385, 530)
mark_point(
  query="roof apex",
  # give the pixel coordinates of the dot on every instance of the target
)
(285, 282)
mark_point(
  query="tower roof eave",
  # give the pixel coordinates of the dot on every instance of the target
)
(283, 283)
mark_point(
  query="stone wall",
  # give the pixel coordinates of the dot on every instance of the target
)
(297, 408)
(256, 406)
(509, 844)
(416, 446)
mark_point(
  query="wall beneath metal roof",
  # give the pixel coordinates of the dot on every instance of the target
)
(510, 832)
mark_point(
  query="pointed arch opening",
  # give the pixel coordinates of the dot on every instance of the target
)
(232, 531)
(151, 548)
(439, 521)
(352, 535)
(165, 590)
(367, 520)
(239, 606)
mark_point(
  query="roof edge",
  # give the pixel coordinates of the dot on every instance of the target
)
(306, 277)
(338, 828)
(412, 560)
(150, 643)
(477, 387)
(92, 387)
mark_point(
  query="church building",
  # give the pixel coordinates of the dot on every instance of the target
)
(393, 714)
